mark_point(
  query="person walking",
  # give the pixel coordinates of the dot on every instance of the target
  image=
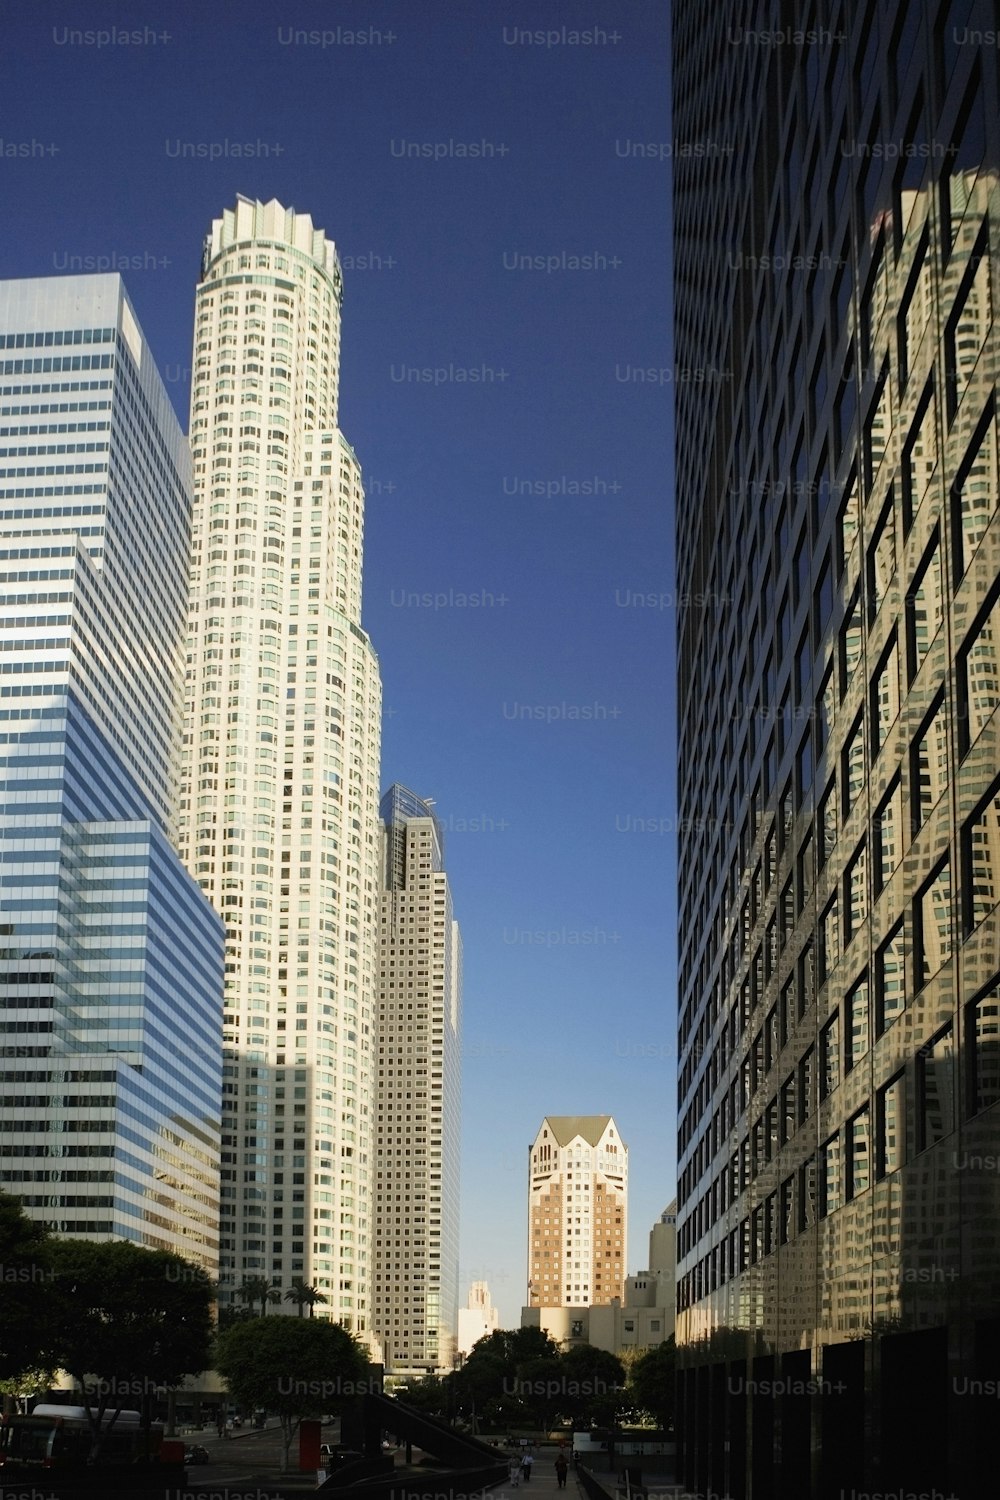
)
(515, 1473)
(526, 1463)
(562, 1469)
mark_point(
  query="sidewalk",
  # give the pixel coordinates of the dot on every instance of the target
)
(543, 1481)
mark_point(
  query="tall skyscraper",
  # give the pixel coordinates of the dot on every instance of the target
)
(111, 964)
(577, 1212)
(279, 808)
(418, 1114)
(837, 210)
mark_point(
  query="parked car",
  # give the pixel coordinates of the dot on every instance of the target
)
(336, 1454)
(196, 1454)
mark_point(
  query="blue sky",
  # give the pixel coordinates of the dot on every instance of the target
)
(540, 484)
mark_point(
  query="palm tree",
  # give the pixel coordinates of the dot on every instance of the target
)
(258, 1289)
(304, 1295)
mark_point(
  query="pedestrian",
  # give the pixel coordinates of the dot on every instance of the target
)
(515, 1473)
(526, 1463)
(562, 1469)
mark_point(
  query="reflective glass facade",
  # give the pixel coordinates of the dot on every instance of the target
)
(418, 1112)
(839, 685)
(110, 974)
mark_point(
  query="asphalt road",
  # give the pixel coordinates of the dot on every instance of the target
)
(245, 1457)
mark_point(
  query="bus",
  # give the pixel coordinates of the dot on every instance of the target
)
(57, 1439)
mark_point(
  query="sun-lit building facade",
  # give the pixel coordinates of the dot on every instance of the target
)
(419, 1098)
(577, 1212)
(111, 958)
(278, 818)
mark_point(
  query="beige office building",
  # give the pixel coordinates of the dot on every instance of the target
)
(577, 1212)
(278, 817)
(643, 1318)
(418, 1113)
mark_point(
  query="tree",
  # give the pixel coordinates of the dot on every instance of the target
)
(258, 1289)
(304, 1295)
(229, 1315)
(500, 1380)
(25, 1291)
(652, 1383)
(428, 1394)
(296, 1368)
(28, 1386)
(592, 1386)
(129, 1322)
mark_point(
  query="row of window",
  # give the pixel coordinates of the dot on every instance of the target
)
(868, 1147)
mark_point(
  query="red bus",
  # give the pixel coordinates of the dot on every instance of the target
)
(59, 1439)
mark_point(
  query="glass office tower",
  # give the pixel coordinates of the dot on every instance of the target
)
(278, 816)
(419, 1097)
(111, 964)
(837, 218)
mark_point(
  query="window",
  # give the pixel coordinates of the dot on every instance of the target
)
(853, 765)
(806, 978)
(884, 697)
(786, 1211)
(786, 1012)
(856, 1013)
(829, 1176)
(981, 861)
(827, 841)
(805, 877)
(826, 712)
(772, 1039)
(807, 1194)
(850, 643)
(878, 426)
(859, 1153)
(979, 674)
(887, 827)
(935, 1078)
(823, 594)
(845, 407)
(982, 1042)
(803, 667)
(932, 924)
(807, 1085)
(829, 955)
(855, 893)
(849, 519)
(890, 1125)
(803, 769)
(968, 152)
(968, 325)
(974, 496)
(890, 978)
(928, 765)
(914, 311)
(881, 559)
(924, 608)
(875, 298)
(829, 1057)
(788, 1111)
(919, 457)
(909, 174)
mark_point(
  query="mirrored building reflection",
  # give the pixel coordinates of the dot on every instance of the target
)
(839, 528)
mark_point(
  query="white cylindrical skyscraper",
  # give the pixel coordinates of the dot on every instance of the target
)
(279, 815)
